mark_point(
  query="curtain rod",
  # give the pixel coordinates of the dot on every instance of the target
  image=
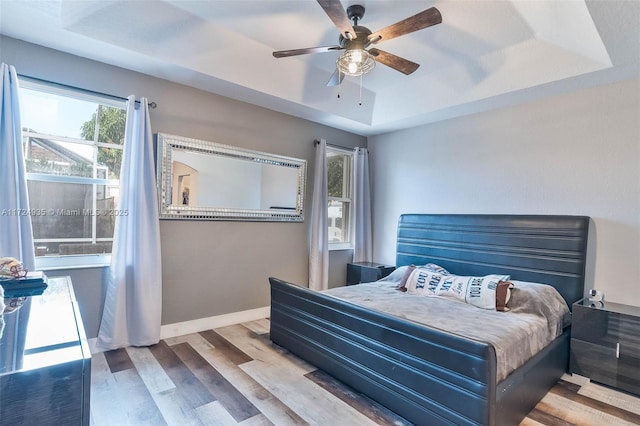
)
(316, 142)
(152, 105)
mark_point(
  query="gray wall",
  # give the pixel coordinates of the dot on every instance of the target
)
(209, 268)
(576, 153)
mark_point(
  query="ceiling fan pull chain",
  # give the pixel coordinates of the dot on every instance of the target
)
(360, 103)
(339, 83)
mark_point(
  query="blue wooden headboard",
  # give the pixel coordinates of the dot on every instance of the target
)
(539, 248)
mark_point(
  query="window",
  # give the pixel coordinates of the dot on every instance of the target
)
(339, 166)
(73, 149)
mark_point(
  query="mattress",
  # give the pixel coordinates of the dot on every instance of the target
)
(537, 315)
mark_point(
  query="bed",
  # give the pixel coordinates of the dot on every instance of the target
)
(424, 374)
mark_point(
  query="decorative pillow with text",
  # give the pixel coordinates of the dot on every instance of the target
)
(429, 267)
(424, 282)
(477, 291)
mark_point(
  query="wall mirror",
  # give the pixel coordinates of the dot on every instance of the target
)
(210, 181)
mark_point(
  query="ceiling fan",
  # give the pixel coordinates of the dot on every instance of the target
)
(359, 57)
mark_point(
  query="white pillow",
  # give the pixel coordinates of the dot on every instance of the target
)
(424, 281)
(477, 291)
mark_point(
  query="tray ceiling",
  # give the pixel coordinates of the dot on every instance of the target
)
(485, 54)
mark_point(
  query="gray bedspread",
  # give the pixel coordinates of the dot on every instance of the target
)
(537, 316)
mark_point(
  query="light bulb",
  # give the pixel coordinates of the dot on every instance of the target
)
(354, 62)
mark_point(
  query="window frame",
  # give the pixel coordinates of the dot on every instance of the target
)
(348, 190)
(89, 260)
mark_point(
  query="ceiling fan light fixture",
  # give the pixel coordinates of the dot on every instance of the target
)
(355, 62)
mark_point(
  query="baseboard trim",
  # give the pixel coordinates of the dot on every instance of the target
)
(201, 324)
(194, 326)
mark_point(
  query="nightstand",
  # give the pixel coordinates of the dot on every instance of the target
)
(365, 272)
(605, 344)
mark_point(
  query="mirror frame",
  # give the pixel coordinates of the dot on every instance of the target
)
(166, 144)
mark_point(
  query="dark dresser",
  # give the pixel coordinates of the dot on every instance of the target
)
(366, 272)
(45, 363)
(605, 344)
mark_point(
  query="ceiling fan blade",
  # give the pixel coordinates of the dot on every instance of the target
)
(405, 66)
(296, 52)
(336, 78)
(337, 14)
(422, 20)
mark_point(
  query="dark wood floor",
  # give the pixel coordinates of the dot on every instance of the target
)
(235, 375)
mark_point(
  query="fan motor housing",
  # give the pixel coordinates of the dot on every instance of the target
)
(360, 42)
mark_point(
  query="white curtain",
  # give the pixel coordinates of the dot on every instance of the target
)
(16, 233)
(363, 246)
(133, 304)
(319, 249)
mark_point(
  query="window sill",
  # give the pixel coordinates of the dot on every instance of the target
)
(52, 263)
(336, 247)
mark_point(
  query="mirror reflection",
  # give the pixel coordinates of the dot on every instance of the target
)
(205, 180)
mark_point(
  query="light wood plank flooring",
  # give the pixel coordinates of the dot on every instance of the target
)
(235, 375)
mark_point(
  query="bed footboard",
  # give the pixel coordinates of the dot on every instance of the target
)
(426, 376)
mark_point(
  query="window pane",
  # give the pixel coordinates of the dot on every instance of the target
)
(335, 175)
(57, 157)
(112, 123)
(66, 211)
(339, 222)
(106, 203)
(109, 161)
(57, 115)
(339, 188)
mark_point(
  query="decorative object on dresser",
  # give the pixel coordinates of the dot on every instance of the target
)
(364, 272)
(45, 363)
(605, 344)
(31, 284)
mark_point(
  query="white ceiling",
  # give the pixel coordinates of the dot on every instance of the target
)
(484, 55)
